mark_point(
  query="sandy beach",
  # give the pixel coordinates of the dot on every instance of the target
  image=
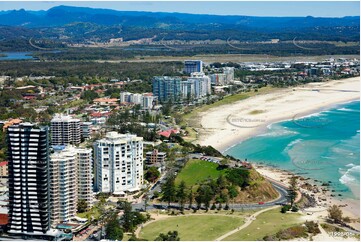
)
(227, 125)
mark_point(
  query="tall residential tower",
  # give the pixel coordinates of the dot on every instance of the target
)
(28, 180)
(119, 163)
(65, 130)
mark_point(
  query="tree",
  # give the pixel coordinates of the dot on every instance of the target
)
(224, 163)
(170, 236)
(89, 95)
(335, 213)
(181, 194)
(169, 190)
(113, 230)
(152, 174)
(204, 195)
(221, 182)
(293, 190)
(238, 176)
(190, 197)
(127, 217)
(82, 206)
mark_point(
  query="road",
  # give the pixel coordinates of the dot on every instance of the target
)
(280, 200)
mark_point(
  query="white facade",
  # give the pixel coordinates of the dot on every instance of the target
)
(85, 175)
(148, 102)
(197, 86)
(124, 97)
(65, 130)
(229, 72)
(63, 185)
(71, 180)
(136, 98)
(145, 99)
(118, 163)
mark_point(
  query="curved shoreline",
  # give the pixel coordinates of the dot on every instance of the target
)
(300, 115)
(254, 114)
(276, 107)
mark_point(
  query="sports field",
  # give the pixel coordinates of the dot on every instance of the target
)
(193, 227)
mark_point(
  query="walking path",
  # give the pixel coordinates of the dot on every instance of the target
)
(246, 224)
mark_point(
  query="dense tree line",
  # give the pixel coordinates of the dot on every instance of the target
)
(88, 71)
(220, 190)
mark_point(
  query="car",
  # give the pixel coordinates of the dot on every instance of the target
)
(260, 203)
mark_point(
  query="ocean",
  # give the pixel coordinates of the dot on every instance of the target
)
(324, 146)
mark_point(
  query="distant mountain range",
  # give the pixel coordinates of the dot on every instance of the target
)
(79, 24)
(62, 15)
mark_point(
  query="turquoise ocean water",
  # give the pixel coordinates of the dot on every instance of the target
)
(323, 146)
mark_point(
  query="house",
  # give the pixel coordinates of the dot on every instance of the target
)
(167, 133)
(106, 101)
(4, 168)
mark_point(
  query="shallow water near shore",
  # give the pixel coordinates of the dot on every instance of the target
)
(324, 146)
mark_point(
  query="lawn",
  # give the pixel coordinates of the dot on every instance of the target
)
(196, 171)
(267, 223)
(94, 211)
(193, 227)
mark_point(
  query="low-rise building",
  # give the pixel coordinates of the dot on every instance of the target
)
(155, 157)
(4, 169)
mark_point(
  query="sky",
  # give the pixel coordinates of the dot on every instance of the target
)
(254, 8)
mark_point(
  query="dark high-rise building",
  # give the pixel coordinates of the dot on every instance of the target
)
(191, 66)
(167, 88)
(28, 154)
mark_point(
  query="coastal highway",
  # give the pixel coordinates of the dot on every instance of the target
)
(237, 206)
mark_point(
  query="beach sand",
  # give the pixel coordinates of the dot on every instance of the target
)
(227, 125)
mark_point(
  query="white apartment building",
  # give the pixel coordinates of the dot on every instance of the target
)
(65, 130)
(136, 98)
(63, 185)
(229, 72)
(85, 175)
(124, 97)
(71, 179)
(118, 163)
(148, 101)
(145, 100)
(196, 86)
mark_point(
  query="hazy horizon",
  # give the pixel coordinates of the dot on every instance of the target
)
(260, 8)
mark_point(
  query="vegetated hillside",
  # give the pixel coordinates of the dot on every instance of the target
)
(221, 184)
(78, 24)
(259, 190)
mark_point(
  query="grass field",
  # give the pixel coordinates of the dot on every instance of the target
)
(235, 57)
(267, 223)
(193, 227)
(196, 171)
